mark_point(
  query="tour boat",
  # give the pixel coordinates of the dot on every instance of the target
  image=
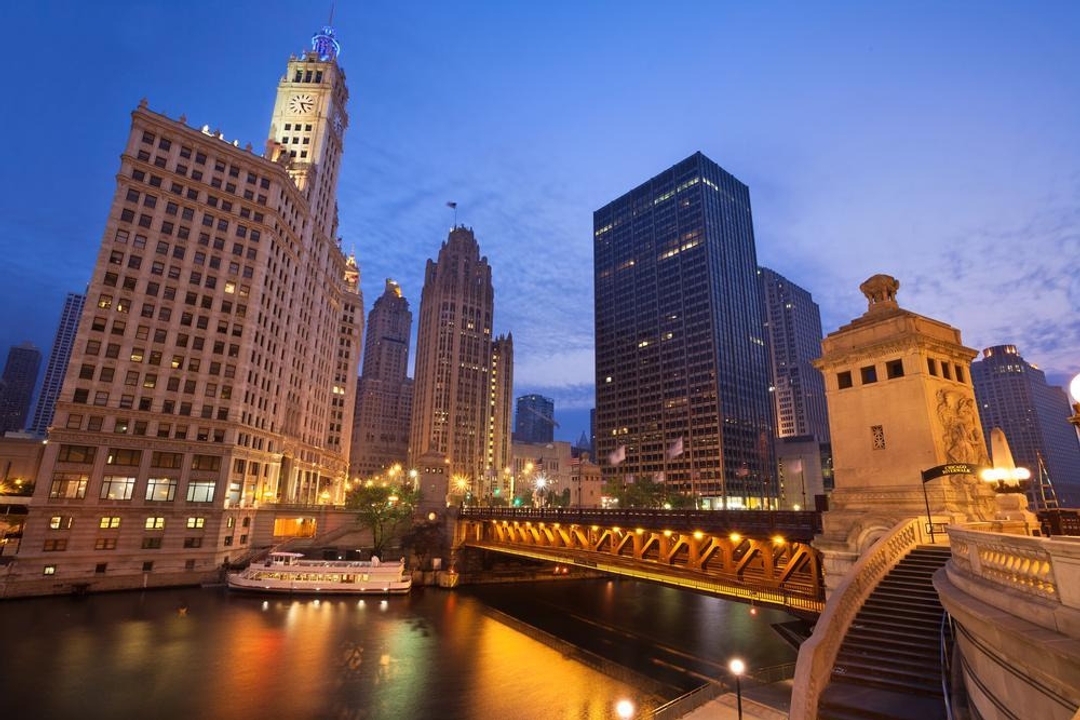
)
(289, 572)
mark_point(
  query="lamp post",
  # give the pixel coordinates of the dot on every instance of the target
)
(737, 668)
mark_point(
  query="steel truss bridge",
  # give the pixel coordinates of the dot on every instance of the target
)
(755, 556)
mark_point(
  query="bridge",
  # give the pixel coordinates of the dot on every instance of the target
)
(755, 556)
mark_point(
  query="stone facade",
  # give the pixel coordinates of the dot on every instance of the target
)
(464, 375)
(900, 402)
(215, 353)
(380, 438)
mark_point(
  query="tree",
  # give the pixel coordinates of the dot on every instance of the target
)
(384, 509)
(643, 492)
(424, 539)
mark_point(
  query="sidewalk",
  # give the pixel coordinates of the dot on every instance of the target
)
(765, 702)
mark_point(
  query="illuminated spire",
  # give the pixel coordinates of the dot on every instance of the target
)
(325, 44)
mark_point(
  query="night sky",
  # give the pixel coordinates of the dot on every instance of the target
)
(936, 142)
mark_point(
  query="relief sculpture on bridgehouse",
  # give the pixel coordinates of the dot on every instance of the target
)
(961, 437)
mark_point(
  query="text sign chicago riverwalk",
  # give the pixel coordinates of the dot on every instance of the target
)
(950, 469)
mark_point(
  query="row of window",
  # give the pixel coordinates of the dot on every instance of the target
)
(182, 170)
(72, 486)
(173, 272)
(112, 522)
(178, 251)
(208, 220)
(148, 543)
(100, 568)
(85, 454)
(200, 158)
(895, 369)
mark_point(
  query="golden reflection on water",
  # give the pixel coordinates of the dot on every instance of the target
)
(431, 655)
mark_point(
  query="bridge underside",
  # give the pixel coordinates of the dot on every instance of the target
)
(772, 572)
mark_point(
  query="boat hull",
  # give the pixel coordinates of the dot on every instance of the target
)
(290, 573)
(283, 587)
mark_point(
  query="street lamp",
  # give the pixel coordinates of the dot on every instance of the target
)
(624, 709)
(737, 668)
(1004, 471)
(541, 483)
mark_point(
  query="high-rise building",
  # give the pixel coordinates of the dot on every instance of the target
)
(535, 419)
(682, 379)
(793, 322)
(58, 362)
(500, 420)
(17, 386)
(384, 394)
(1013, 395)
(214, 367)
(463, 381)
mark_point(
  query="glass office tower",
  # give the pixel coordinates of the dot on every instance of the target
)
(682, 372)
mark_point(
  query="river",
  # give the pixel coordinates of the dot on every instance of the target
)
(433, 654)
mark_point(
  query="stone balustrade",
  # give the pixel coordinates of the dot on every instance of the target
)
(817, 655)
(1035, 578)
(1015, 603)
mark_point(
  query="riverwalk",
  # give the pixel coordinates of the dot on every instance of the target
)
(762, 702)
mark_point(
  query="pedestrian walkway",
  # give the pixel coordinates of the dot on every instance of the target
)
(764, 702)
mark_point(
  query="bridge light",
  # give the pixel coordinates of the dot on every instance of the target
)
(556, 526)
(667, 533)
(778, 540)
(595, 527)
(698, 534)
(616, 529)
(735, 537)
(639, 531)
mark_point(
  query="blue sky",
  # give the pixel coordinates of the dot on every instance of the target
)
(937, 142)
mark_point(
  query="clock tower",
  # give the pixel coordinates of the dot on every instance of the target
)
(307, 128)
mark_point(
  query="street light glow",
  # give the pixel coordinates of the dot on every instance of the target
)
(737, 666)
(625, 709)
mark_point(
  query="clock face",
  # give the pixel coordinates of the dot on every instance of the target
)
(301, 104)
(339, 123)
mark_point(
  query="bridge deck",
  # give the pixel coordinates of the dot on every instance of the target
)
(755, 557)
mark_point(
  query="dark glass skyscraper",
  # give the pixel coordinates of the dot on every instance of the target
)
(681, 366)
(1013, 394)
(58, 362)
(17, 386)
(794, 333)
(535, 419)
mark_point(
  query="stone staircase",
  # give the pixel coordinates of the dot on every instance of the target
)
(889, 665)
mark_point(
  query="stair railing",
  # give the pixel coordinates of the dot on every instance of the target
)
(817, 656)
(947, 639)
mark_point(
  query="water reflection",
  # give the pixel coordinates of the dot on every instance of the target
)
(431, 654)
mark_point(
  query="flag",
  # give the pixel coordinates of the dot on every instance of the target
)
(676, 448)
(796, 465)
(452, 205)
(629, 479)
(618, 455)
(660, 477)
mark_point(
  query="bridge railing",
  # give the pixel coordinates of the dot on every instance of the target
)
(817, 656)
(794, 525)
